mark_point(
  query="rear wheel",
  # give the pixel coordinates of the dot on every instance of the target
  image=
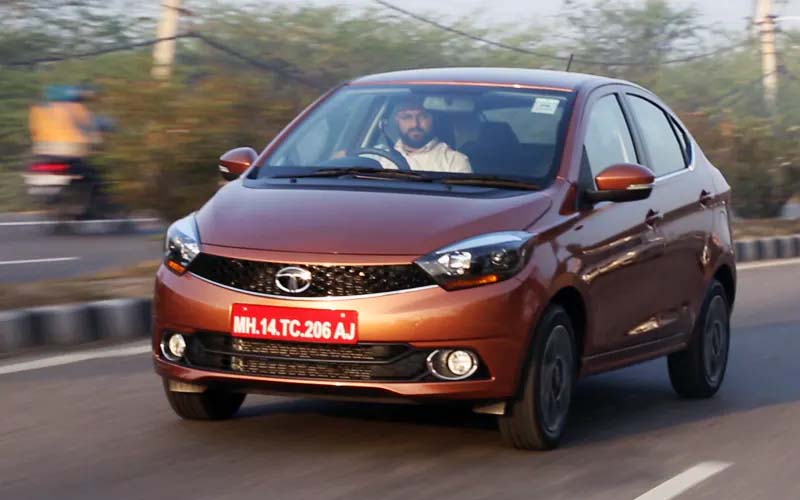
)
(536, 420)
(698, 371)
(213, 404)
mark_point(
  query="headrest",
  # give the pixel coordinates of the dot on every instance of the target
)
(498, 134)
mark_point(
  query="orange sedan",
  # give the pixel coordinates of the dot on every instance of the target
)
(487, 236)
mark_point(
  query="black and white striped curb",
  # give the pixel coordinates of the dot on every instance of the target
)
(72, 324)
(778, 247)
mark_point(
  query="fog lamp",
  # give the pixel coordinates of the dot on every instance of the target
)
(460, 363)
(452, 364)
(174, 347)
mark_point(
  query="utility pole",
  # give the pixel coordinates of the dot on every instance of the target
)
(164, 51)
(765, 21)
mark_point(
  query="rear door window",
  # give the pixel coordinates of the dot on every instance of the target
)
(683, 138)
(608, 138)
(666, 153)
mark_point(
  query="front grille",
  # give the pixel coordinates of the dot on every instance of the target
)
(326, 281)
(290, 350)
(360, 362)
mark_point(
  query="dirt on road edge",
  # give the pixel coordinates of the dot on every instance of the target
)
(134, 281)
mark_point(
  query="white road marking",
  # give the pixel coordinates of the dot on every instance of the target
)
(90, 221)
(684, 481)
(767, 263)
(36, 261)
(75, 357)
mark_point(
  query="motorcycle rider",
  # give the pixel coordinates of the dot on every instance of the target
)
(64, 131)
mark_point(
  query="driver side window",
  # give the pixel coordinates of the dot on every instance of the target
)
(608, 139)
(315, 144)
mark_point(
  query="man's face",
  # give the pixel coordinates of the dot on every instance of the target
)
(416, 126)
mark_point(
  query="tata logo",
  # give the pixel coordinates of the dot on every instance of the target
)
(293, 279)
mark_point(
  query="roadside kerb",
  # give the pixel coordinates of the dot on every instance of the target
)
(121, 318)
(16, 330)
(73, 324)
(62, 325)
(780, 247)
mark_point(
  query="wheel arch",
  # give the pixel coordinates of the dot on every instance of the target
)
(572, 301)
(725, 275)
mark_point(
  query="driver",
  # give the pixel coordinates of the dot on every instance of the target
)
(418, 144)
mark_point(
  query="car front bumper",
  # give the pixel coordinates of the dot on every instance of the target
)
(493, 321)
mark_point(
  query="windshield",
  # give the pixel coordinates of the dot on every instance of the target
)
(442, 131)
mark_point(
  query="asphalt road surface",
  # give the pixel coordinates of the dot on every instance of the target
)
(30, 250)
(101, 429)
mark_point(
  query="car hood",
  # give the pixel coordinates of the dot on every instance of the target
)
(358, 221)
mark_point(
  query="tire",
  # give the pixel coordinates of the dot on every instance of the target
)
(537, 418)
(213, 404)
(698, 371)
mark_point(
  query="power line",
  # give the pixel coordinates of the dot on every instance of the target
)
(543, 55)
(467, 35)
(278, 66)
(91, 53)
(741, 88)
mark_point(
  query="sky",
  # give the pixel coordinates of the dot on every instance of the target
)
(731, 14)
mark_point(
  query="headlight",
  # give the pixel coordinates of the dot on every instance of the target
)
(480, 260)
(182, 244)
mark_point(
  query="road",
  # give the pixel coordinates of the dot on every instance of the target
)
(102, 429)
(30, 251)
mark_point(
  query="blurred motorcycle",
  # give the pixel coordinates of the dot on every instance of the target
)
(68, 190)
(65, 133)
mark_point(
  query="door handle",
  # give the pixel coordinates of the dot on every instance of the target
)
(653, 217)
(706, 198)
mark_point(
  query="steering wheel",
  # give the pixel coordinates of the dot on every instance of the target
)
(392, 155)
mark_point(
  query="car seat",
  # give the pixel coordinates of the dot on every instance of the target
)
(496, 150)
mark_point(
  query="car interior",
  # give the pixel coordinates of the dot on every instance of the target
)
(489, 139)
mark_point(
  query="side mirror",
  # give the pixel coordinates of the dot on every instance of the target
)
(233, 163)
(622, 182)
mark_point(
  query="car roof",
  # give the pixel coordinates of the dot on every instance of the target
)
(560, 80)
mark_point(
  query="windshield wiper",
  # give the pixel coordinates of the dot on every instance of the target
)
(490, 180)
(362, 172)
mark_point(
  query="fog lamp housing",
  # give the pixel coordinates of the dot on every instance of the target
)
(452, 364)
(173, 346)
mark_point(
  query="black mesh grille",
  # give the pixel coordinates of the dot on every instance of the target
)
(408, 369)
(326, 281)
(374, 352)
(361, 362)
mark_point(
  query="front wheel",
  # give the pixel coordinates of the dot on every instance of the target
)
(697, 371)
(213, 404)
(537, 418)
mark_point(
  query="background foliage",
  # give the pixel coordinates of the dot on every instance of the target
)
(169, 135)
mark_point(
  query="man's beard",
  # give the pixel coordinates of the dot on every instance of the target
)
(409, 141)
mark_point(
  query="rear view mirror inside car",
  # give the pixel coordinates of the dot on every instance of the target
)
(449, 103)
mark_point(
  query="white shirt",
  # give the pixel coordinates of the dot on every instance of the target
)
(435, 156)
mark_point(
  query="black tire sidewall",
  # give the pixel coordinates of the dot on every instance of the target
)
(716, 290)
(553, 317)
(687, 368)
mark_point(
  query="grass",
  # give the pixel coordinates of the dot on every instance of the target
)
(135, 281)
(762, 228)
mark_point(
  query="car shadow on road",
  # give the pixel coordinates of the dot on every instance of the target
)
(620, 404)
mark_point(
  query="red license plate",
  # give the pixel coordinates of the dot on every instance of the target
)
(294, 324)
